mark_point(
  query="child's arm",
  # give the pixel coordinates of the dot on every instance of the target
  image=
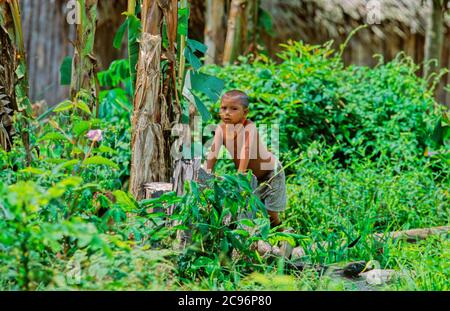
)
(211, 159)
(249, 141)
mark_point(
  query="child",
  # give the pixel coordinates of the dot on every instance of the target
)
(241, 139)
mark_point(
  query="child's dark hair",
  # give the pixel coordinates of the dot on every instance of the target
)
(237, 95)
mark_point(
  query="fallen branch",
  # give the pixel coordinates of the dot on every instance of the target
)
(411, 235)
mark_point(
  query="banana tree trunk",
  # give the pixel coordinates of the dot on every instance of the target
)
(434, 37)
(13, 77)
(149, 148)
(84, 64)
(214, 34)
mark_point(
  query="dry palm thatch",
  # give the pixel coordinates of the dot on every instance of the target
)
(332, 16)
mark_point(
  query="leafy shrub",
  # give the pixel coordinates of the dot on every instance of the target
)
(423, 266)
(385, 112)
(329, 203)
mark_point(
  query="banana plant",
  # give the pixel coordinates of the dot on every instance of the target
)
(84, 63)
(167, 61)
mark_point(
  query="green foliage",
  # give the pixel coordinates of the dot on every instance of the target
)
(354, 139)
(213, 219)
(423, 266)
(383, 112)
(133, 26)
(34, 230)
(331, 204)
(65, 71)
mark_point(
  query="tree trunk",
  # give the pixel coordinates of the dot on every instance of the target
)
(214, 35)
(252, 25)
(149, 149)
(84, 63)
(434, 37)
(241, 31)
(233, 44)
(13, 77)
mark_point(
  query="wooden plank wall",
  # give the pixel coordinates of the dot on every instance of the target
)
(48, 38)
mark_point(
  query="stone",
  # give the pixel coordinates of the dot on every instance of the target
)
(297, 253)
(263, 248)
(378, 276)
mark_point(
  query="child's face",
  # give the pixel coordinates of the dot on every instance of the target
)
(232, 112)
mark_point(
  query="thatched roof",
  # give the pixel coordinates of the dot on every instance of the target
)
(339, 17)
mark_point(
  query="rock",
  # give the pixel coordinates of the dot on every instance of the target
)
(352, 269)
(297, 252)
(264, 248)
(276, 251)
(378, 276)
(154, 190)
(286, 249)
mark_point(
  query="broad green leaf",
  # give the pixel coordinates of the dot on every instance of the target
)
(66, 164)
(65, 71)
(98, 160)
(81, 127)
(209, 85)
(106, 149)
(71, 181)
(52, 136)
(125, 201)
(20, 71)
(265, 22)
(192, 59)
(183, 21)
(241, 232)
(83, 106)
(202, 108)
(118, 38)
(247, 222)
(196, 46)
(54, 161)
(65, 105)
(33, 170)
(134, 32)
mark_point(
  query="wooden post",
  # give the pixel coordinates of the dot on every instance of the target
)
(434, 37)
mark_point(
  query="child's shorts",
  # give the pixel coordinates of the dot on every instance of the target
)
(272, 190)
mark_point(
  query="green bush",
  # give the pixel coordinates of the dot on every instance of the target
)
(386, 112)
(329, 203)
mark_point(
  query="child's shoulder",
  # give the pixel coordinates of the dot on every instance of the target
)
(249, 125)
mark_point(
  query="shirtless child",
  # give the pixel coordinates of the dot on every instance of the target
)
(240, 137)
